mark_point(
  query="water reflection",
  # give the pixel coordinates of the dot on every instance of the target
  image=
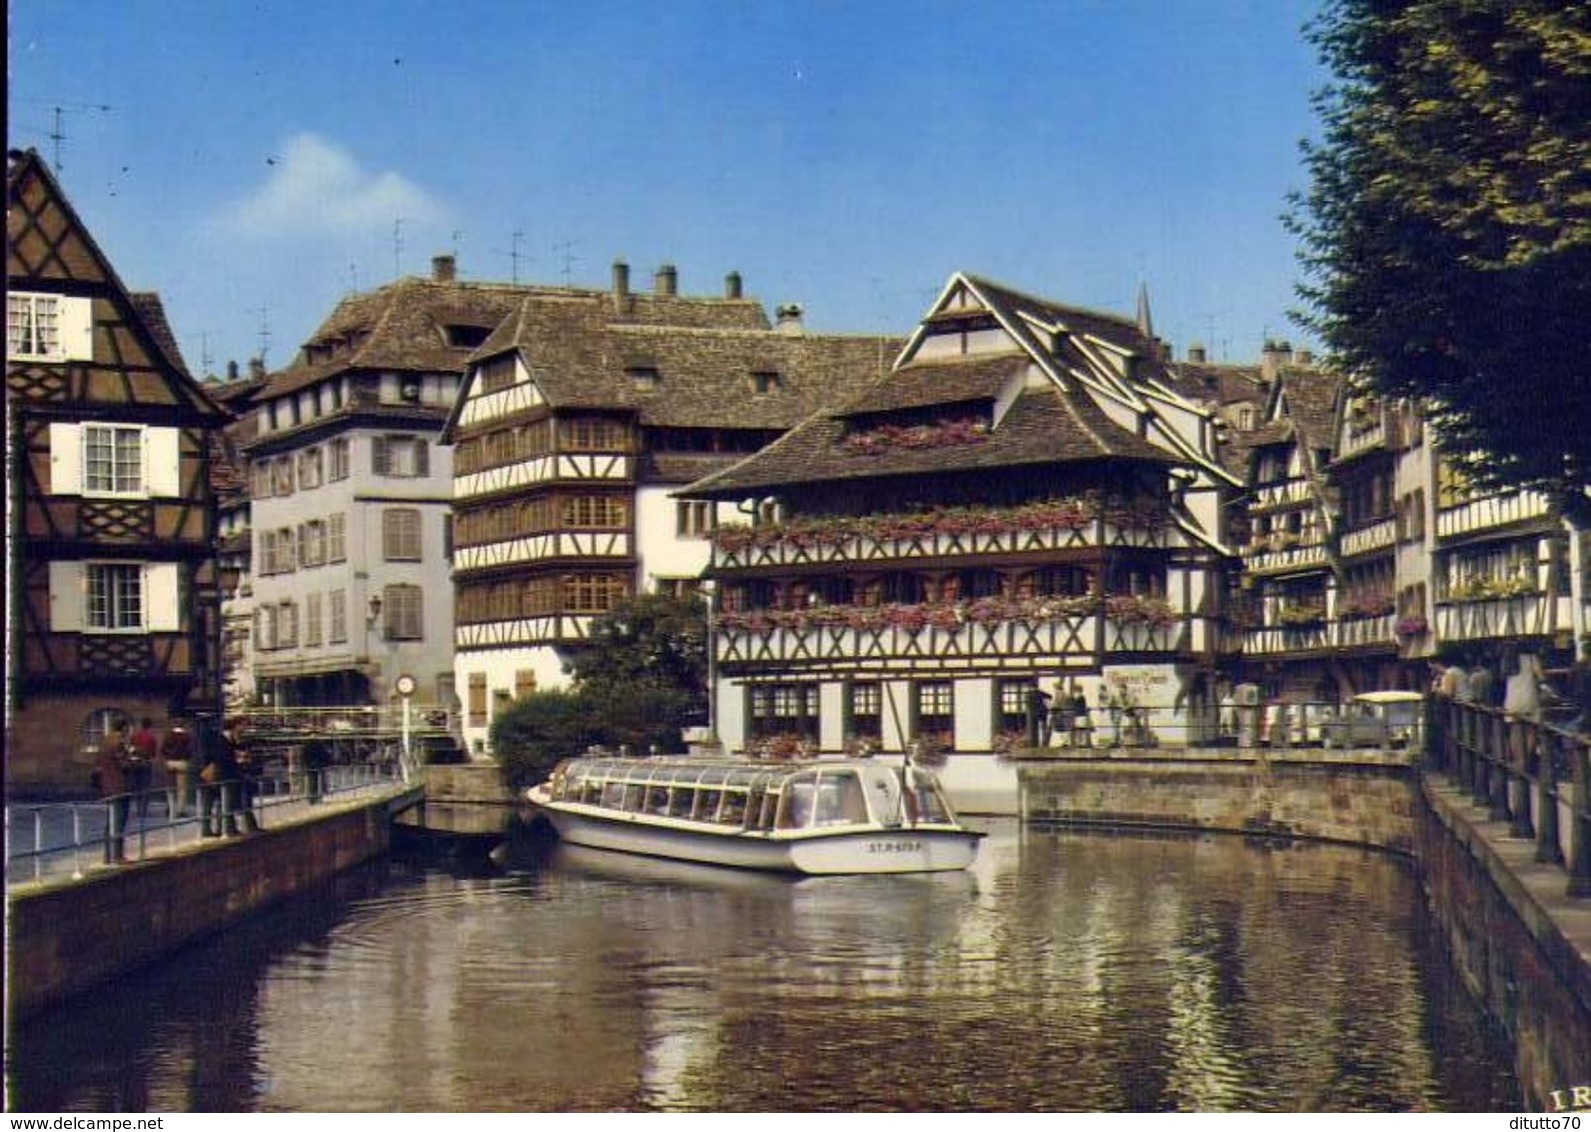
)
(1066, 971)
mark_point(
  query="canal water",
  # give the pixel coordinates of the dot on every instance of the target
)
(1066, 971)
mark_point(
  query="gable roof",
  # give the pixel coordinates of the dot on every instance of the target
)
(584, 352)
(1055, 394)
(47, 244)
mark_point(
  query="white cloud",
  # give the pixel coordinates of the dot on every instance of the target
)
(315, 187)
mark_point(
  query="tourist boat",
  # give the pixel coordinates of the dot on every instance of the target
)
(812, 817)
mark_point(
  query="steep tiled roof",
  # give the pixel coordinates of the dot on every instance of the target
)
(1043, 426)
(922, 384)
(583, 353)
(1310, 402)
(153, 312)
(1057, 421)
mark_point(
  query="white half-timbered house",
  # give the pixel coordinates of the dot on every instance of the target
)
(1023, 498)
(578, 418)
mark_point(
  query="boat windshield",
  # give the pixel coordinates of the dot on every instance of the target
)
(924, 800)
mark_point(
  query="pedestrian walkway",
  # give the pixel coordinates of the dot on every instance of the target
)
(59, 842)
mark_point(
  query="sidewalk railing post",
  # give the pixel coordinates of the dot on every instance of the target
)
(1525, 741)
(1548, 851)
(1580, 861)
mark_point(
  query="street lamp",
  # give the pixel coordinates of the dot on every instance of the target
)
(375, 611)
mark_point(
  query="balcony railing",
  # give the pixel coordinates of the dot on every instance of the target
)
(1524, 616)
(1377, 536)
(799, 551)
(1067, 636)
(1347, 633)
(1490, 511)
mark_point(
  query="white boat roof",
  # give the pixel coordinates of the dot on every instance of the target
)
(1389, 697)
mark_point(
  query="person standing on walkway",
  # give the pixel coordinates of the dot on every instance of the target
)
(247, 772)
(142, 749)
(176, 751)
(111, 773)
(218, 776)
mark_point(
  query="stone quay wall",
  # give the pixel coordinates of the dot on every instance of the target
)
(64, 938)
(1520, 944)
(1359, 798)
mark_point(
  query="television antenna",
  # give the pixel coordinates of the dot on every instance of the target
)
(565, 251)
(57, 131)
(265, 329)
(397, 247)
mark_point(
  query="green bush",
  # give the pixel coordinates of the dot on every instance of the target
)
(536, 731)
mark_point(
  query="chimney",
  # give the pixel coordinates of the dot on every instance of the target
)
(1303, 357)
(666, 281)
(621, 280)
(444, 268)
(1196, 353)
(256, 367)
(1273, 357)
(732, 285)
(232, 370)
(789, 316)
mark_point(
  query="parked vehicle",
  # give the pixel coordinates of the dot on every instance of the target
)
(1377, 719)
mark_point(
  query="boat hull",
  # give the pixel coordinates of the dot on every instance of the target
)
(903, 849)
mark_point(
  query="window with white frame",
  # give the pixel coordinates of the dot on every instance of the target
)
(115, 596)
(282, 480)
(338, 631)
(403, 608)
(33, 327)
(693, 518)
(400, 534)
(312, 610)
(339, 459)
(311, 463)
(113, 460)
(337, 538)
(312, 543)
(400, 456)
(286, 624)
(286, 551)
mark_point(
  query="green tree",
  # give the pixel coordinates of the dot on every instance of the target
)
(1446, 235)
(639, 681)
(652, 639)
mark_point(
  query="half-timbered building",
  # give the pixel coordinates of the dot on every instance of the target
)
(1023, 499)
(1291, 577)
(579, 417)
(113, 596)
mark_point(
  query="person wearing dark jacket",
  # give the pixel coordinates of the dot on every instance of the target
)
(218, 777)
(111, 773)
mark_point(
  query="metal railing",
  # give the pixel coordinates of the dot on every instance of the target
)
(60, 839)
(1535, 776)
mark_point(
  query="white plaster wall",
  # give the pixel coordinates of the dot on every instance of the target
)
(974, 701)
(662, 553)
(500, 667)
(831, 715)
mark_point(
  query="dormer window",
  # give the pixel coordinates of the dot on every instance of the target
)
(644, 378)
(766, 381)
(467, 337)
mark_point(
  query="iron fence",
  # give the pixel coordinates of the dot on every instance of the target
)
(1536, 776)
(52, 840)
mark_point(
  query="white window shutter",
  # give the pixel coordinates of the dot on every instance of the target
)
(68, 597)
(76, 326)
(163, 462)
(66, 459)
(162, 598)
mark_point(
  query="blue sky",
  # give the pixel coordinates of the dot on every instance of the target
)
(260, 160)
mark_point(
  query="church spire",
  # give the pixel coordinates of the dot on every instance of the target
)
(1146, 325)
